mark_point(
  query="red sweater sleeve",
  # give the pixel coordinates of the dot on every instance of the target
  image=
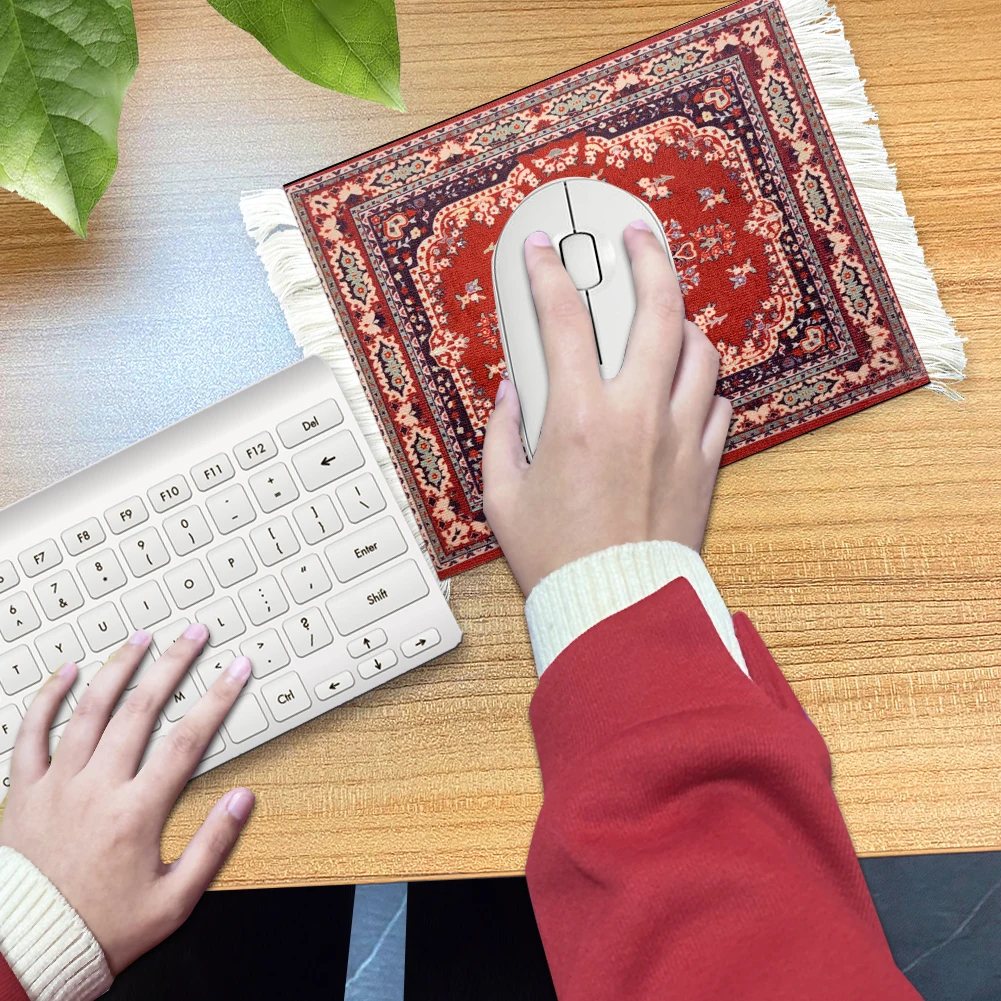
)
(10, 987)
(690, 845)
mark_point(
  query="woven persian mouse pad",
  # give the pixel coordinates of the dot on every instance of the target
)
(718, 125)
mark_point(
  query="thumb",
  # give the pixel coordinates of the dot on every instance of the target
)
(503, 457)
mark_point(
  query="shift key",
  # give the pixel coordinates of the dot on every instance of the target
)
(365, 550)
(375, 598)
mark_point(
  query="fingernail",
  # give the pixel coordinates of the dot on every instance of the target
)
(240, 803)
(239, 669)
(502, 390)
(539, 239)
(640, 224)
(196, 631)
(140, 638)
(66, 670)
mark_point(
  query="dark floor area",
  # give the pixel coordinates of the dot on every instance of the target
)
(476, 940)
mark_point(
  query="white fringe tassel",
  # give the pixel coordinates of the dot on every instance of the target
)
(821, 39)
(820, 36)
(293, 279)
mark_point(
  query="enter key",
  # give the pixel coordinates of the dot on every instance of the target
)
(361, 551)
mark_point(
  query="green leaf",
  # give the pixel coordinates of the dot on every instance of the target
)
(346, 45)
(64, 68)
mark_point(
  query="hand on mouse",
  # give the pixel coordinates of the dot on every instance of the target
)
(629, 459)
(92, 825)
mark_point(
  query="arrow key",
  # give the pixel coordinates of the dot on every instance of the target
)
(379, 664)
(421, 642)
(367, 643)
(334, 686)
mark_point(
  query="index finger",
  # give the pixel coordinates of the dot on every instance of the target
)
(564, 321)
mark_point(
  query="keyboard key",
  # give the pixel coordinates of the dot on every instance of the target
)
(55, 735)
(285, 696)
(40, 558)
(212, 472)
(188, 584)
(8, 575)
(188, 531)
(181, 700)
(17, 617)
(145, 552)
(246, 719)
(4, 778)
(101, 574)
(58, 595)
(334, 686)
(84, 676)
(365, 549)
(10, 723)
(102, 627)
(274, 487)
(306, 579)
(231, 509)
(274, 541)
(371, 600)
(378, 664)
(128, 514)
(59, 646)
(82, 537)
(145, 605)
(420, 643)
(328, 460)
(266, 652)
(367, 643)
(307, 632)
(310, 423)
(166, 635)
(169, 493)
(217, 746)
(361, 498)
(256, 450)
(18, 670)
(63, 712)
(263, 600)
(317, 520)
(223, 620)
(144, 665)
(232, 562)
(211, 667)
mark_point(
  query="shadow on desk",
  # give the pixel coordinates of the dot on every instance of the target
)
(476, 940)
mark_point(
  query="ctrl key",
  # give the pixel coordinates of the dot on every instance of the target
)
(285, 696)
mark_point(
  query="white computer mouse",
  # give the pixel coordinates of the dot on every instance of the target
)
(585, 220)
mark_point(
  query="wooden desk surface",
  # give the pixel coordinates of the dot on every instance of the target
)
(867, 553)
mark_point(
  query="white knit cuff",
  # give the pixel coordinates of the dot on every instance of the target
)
(45, 942)
(576, 597)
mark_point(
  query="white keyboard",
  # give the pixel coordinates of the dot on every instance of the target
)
(266, 518)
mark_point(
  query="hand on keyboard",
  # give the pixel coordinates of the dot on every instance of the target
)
(91, 819)
(630, 459)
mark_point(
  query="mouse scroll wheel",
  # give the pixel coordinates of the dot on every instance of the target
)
(580, 258)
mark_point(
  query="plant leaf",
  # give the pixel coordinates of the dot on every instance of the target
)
(347, 45)
(64, 68)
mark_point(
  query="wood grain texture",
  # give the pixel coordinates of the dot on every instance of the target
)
(867, 553)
